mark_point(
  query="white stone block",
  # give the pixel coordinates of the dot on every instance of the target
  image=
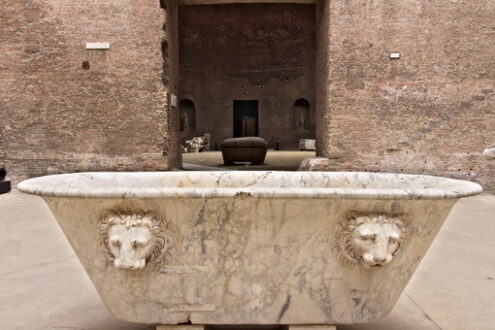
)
(97, 45)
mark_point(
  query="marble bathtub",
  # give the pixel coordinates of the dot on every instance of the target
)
(249, 247)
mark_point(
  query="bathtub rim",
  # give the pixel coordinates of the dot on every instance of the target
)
(456, 189)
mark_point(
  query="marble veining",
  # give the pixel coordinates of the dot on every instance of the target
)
(249, 247)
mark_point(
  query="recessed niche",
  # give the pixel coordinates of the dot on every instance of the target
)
(187, 115)
(301, 114)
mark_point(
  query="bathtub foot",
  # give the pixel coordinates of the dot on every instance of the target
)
(291, 327)
(313, 327)
(180, 327)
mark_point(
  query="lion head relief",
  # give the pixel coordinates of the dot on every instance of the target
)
(131, 240)
(370, 240)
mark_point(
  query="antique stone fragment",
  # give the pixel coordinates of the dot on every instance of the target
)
(251, 149)
(314, 164)
(196, 144)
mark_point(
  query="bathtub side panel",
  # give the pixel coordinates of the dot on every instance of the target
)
(245, 260)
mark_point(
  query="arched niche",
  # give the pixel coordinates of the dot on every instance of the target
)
(301, 114)
(187, 115)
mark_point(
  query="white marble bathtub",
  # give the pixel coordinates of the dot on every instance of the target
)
(249, 247)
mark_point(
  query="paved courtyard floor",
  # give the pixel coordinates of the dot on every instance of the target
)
(43, 286)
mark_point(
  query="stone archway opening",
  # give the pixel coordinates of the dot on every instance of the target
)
(268, 52)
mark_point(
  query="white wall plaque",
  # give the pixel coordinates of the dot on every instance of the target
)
(97, 45)
(173, 100)
(394, 55)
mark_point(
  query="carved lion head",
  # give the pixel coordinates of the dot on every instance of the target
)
(370, 240)
(131, 240)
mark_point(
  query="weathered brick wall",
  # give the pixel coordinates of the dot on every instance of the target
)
(263, 52)
(57, 116)
(432, 111)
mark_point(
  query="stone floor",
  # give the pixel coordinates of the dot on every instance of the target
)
(43, 286)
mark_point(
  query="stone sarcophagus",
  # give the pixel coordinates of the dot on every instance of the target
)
(250, 149)
(249, 247)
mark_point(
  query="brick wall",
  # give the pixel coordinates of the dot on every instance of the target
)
(57, 116)
(433, 110)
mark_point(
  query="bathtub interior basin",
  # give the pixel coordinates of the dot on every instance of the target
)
(249, 247)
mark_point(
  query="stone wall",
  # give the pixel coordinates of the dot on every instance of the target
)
(263, 52)
(58, 115)
(433, 110)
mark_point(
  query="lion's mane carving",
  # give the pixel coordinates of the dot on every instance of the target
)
(370, 240)
(132, 240)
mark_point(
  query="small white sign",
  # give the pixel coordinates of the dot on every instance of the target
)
(173, 100)
(97, 45)
(394, 55)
